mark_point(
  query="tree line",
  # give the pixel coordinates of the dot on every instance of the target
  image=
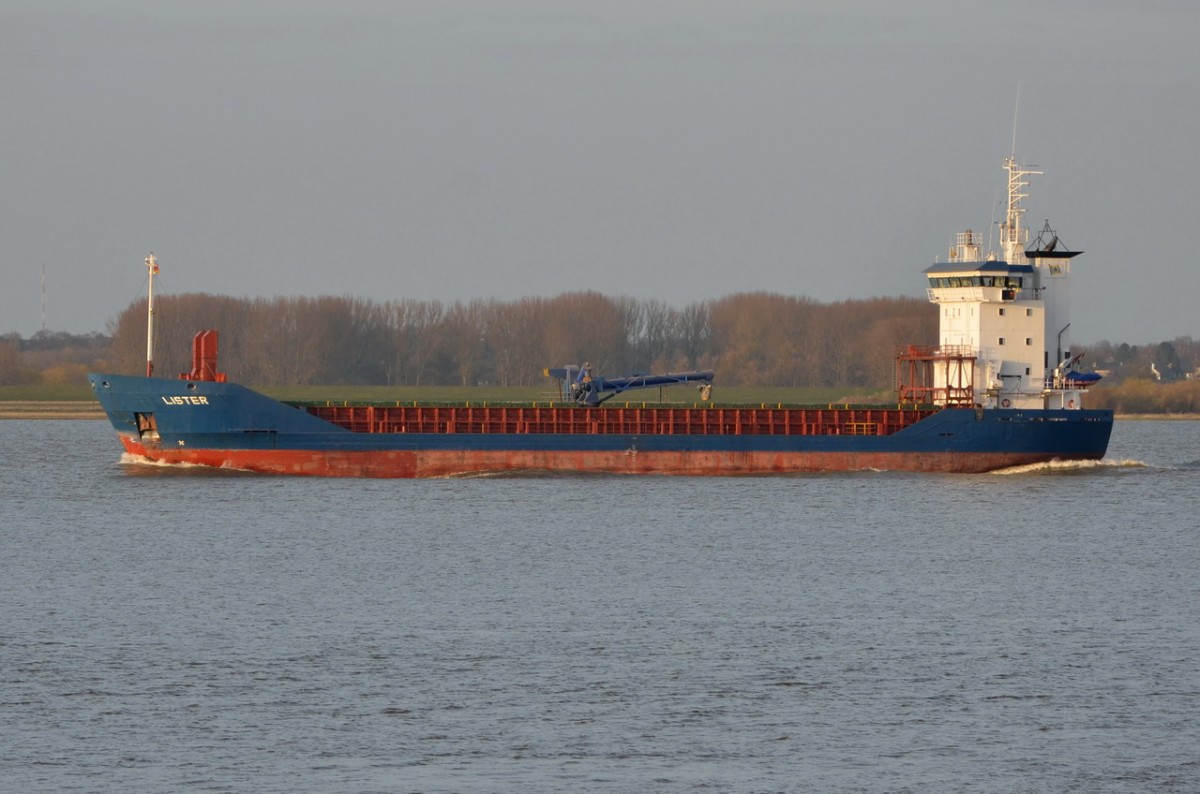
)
(749, 339)
(50, 358)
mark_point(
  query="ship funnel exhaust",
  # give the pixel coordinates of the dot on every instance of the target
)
(204, 359)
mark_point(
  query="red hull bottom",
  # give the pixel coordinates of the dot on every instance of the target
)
(452, 463)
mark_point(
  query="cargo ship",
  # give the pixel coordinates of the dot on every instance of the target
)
(999, 389)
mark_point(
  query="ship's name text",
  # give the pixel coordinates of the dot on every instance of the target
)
(184, 399)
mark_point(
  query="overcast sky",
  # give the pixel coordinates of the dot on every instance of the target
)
(677, 151)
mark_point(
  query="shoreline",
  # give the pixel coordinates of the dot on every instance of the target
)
(57, 409)
(83, 409)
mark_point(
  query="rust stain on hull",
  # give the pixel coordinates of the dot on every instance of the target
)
(450, 463)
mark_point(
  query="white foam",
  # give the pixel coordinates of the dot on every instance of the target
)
(140, 462)
(1073, 466)
(130, 459)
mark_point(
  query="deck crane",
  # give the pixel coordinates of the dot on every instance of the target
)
(577, 383)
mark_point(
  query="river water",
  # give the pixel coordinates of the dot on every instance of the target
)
(1030, 631)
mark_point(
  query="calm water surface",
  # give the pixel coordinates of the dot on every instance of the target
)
(1028, 631)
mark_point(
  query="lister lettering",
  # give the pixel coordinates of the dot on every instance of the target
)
(185, 399)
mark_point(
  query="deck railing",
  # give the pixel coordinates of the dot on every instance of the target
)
(620, 421)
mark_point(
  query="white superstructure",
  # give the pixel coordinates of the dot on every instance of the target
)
(1003, 338)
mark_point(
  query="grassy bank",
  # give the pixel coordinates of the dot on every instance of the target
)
(547, 392)
(76, 401)
(48, 402)
(74, 392)
(541, 392)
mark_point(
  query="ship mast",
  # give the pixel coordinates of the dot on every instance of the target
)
(152, 270)
(1013, 236)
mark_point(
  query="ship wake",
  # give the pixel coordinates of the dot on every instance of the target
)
(137, 464)
(1074, 467)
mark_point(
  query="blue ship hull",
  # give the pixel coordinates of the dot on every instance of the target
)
(227, 425)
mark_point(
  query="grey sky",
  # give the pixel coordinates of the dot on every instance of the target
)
(669, 150)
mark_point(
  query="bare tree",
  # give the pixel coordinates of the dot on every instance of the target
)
(465, 333)
(749, 338)
(10, 361)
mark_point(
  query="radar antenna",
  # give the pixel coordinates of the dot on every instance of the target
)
(1013, 235)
